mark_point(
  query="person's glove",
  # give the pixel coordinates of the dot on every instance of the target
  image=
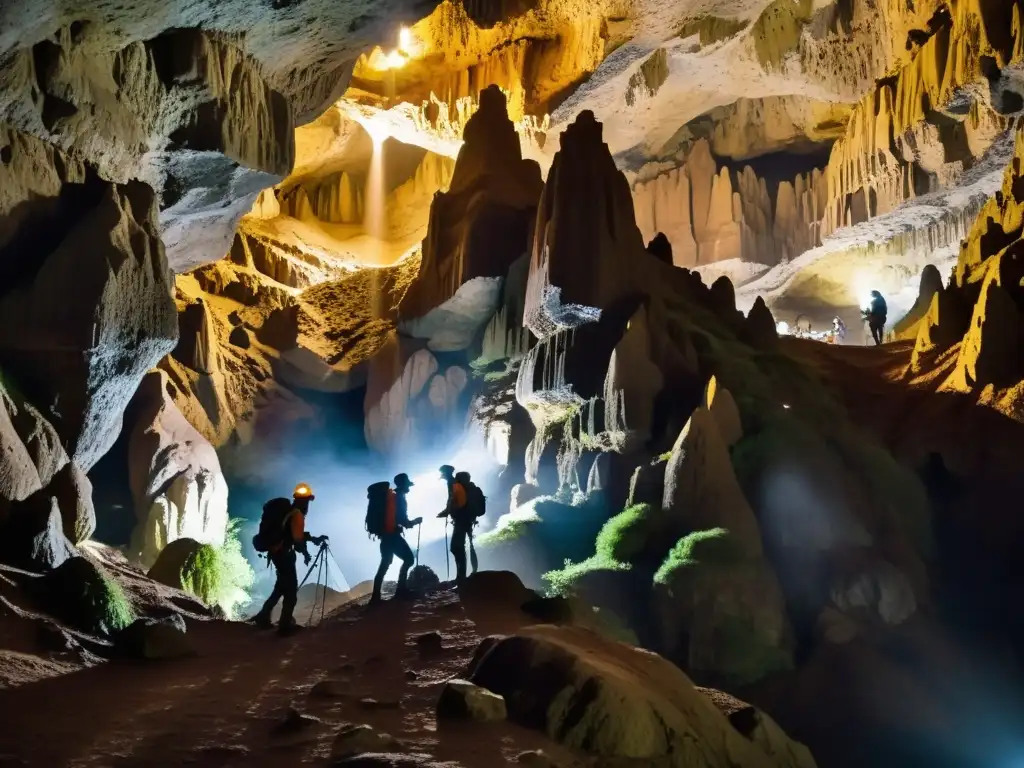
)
(442, 514)
(417, 521)
(320, 540)
(306, 557)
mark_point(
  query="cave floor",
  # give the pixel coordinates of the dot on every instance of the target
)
(226, 706)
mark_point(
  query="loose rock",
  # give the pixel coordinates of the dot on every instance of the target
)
(461, 699)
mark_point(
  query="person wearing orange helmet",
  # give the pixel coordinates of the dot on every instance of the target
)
(291, 537)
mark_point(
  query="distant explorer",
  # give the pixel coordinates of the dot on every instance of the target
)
(387, 515)
(466, 504)
(282, 533)
(875, 315)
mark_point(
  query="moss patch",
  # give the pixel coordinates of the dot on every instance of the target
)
(219, 575)
(81, 593)
(562, 582)
(713, 547)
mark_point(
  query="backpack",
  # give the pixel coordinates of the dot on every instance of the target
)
(476, 502)
(271, 533)
(377, 507)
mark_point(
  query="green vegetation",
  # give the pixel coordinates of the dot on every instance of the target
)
(711, 547)
(219, 575)
(627, 536)
(563, 582)
(81, 593)
(109, 604)
(507, 531)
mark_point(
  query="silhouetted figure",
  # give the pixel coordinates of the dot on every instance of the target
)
(282, 534)
(465, 504)
(392, 542)
(875, 314)
(838, 330)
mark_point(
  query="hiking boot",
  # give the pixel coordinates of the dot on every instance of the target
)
(405, 594)
(374, 601)
(287, 630)
(261, 621)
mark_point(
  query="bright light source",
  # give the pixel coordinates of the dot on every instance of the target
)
(782, 328)
(784, 405)
(865, 302)
(404, 39)
(394, 60)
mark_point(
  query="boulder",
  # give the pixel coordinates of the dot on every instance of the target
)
(355, 739)
(95, 316)
(171, 561)
(19, 463)
(34, 537)
(755, 725)
(163, 638)
(422, 578)
(81, 593)
(461, 700)
(175, 475)
(72, 489)
(876, 590)
(626, 702)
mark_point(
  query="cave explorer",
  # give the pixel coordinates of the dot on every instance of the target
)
(466, 504)
(838, 330)
(388, 527)
(875, 314)
(282, 533)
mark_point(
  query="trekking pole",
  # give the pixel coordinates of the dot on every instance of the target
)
(419, 530)
(447, 562)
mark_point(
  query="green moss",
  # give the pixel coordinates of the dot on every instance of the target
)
(625, 537)
(219, 575)
(81, 593)
(508, 531)
(563, 581)
(712, 547)
(110, 604)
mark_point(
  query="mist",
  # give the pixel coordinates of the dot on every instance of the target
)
(339, 472)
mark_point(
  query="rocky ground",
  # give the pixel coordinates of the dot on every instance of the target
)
(247, 697)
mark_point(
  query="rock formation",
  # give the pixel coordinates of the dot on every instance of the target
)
(668, 714)
(711, 213)
(175, 475)
(87, 350)
(477, 230)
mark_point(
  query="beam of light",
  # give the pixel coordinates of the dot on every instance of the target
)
(408, 123)
(395, 60)
(405, 40)
(782, 328)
